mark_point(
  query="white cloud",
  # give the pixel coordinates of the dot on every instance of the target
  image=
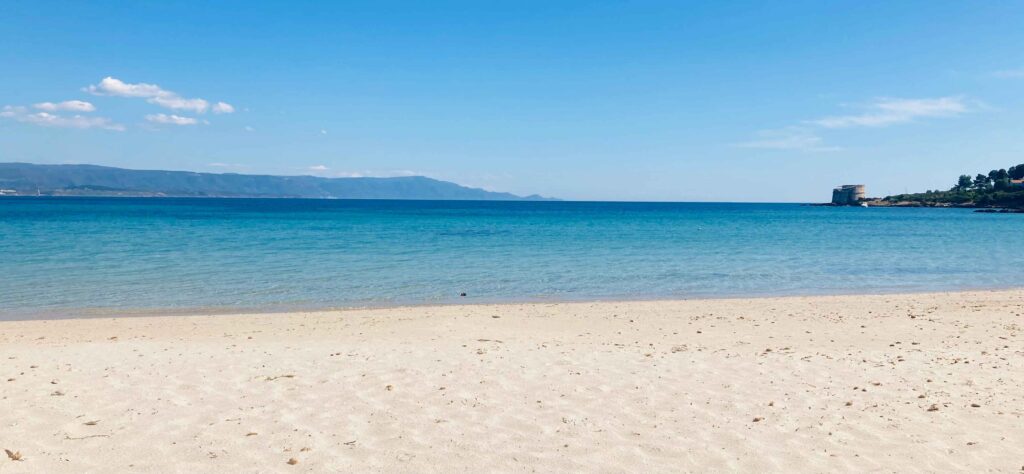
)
(223, 108)
(171, 119)
(318, 168)
(198, 106)
(46, 119)
(111, 86)
(793, 138)
(323, 132)
(249, 129)
(885, 112)
(72, 105)
(154, 94)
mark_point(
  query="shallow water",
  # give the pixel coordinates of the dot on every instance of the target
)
(99, 254)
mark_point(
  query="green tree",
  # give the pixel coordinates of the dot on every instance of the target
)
(963, 183)
(1016, 172)
(981, 182)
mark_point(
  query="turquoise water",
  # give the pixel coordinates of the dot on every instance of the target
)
(71, 255)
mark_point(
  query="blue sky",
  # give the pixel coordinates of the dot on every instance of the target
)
(689, 101)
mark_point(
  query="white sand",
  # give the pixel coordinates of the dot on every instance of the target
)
(783, 384)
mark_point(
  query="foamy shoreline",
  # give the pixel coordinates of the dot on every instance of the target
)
(918, 382)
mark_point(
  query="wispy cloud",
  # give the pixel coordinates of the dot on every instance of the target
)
(1009, 74)
(374, 174)
(325, 171)
(223, 108)
(233, 166)
(171, 119)
(47, 119)
(881, 112)
(888, 111)
(154, 94)
(792, 138)
(71, 105)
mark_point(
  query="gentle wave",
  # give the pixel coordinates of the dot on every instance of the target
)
(110, 253)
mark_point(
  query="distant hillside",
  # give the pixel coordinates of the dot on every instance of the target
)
(91, 180)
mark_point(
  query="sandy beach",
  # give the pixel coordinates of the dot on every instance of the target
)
(893, 383)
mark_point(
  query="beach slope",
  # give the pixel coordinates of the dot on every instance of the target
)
(929, 382)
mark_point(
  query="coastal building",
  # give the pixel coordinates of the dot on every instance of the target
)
(1017, 183)
(848, 194)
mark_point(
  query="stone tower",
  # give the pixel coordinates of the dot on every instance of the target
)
(848, 194)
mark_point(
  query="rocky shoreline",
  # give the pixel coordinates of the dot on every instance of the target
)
(1000, 211)
(884, 203)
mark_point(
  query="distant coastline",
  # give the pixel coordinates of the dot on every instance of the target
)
(26, 179)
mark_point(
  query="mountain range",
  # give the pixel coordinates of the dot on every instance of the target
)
(93, 180)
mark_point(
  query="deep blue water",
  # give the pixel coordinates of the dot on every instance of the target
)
(66, 255)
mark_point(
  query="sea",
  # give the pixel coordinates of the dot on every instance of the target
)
(81, 256)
